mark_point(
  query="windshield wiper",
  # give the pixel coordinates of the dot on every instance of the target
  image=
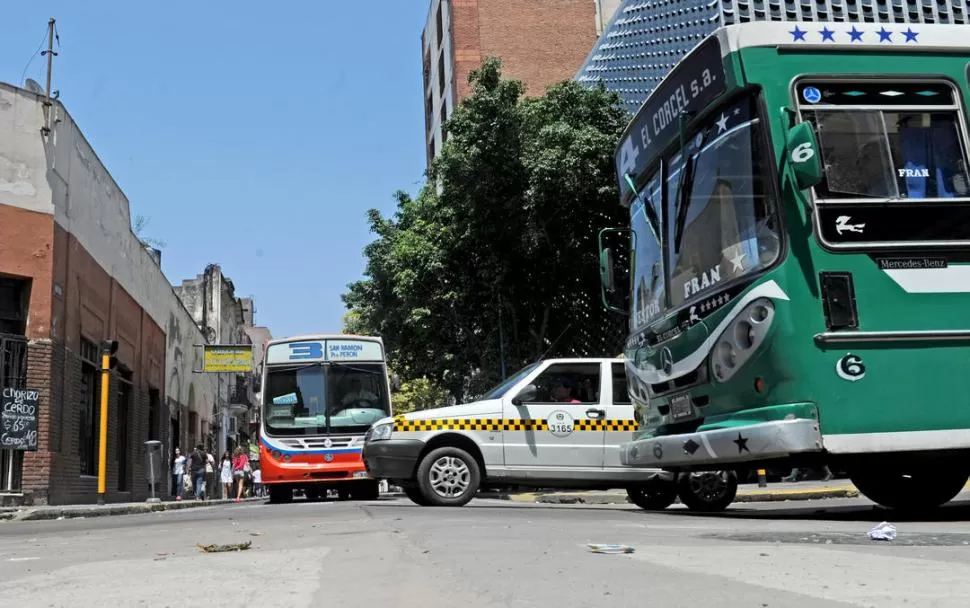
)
(295, 368)
(689, 166)
(648, 211)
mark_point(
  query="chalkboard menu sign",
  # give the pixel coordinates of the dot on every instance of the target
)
(18, 419)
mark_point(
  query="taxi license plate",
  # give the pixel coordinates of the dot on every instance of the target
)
(680, 407)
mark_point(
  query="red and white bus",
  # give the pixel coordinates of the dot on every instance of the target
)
(320, 394)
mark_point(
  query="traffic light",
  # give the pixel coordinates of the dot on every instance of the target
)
(109, 348)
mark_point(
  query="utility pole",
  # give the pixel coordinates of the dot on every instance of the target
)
(50, 66)
(108, 362)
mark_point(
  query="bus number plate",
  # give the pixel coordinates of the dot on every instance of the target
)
(680, 407)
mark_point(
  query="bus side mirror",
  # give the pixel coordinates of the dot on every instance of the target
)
(608, 268)
(802, 151)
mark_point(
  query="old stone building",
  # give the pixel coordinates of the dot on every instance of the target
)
(72, 274)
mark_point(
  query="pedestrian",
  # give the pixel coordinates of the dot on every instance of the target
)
(240, 469)
(225, 475)
(197, 468)
(178, 472)
(210, 475)
(257, 482)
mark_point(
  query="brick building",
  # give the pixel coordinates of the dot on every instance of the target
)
(540, 42)
(72, 274)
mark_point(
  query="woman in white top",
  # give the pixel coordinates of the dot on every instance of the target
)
(225, 475)
(178, 473)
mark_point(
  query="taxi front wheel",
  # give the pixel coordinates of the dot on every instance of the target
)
(448, 477)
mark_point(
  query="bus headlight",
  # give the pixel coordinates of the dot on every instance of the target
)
(380, 432)
(741, 339)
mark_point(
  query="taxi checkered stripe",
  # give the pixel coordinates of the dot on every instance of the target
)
(506, 424)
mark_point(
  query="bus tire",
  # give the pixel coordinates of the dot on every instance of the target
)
(920, 488)
(448, 477)
(280, 494)
(707, 491)
(653, 495)
(415, 495)
(367, 490)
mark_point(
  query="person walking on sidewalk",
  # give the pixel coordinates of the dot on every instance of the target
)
(210, 475)
(197, 467)
(225, 475)
(178, 473)
(240, 468)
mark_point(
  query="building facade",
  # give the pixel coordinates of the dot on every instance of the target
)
(540, 42)
(645, 38)
(72, 274)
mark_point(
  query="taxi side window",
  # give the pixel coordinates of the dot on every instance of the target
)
(621, 396)
(568, 383)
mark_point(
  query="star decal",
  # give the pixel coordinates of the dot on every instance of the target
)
(884, 36)
(797, 34)
(911, 35)
(855, 35)
(827, 34)
(722, 123)
(742, 443)
(736, 261)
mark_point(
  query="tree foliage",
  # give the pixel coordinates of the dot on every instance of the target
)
(497, 254)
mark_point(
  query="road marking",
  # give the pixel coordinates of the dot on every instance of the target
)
(22, 559)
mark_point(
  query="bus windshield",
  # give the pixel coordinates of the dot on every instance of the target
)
(725, 227)
(321, 398)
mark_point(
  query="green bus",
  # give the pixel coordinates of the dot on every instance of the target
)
(799, 262)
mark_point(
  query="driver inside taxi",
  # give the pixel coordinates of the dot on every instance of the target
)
(560, 389)
(358, 393)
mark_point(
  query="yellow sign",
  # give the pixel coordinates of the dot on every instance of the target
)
(228, 359)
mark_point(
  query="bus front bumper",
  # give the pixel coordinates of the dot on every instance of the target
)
(713, 448)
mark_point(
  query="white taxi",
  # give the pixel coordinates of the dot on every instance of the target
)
(556, 423)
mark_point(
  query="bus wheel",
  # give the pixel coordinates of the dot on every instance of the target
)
(414, 493)
(708, 491)
(280, 494)
(653, 495)
(924, 486)
(448, 477)
(367, 490)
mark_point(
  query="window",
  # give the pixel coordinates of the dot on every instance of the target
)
(441, 74)
(316, 399)
(154, 409)
(123, 409)
(648, 271)
(573, 383)
(440, 26)
(891, 141)
(725, 226)
(620, 394)
(88, 398)
(13, 305)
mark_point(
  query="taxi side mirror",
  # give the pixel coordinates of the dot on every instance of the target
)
(526, 394)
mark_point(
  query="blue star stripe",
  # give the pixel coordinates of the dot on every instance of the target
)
(855, 35)
(797, 34)
(884, 36)
(911, 35)
(827, 34)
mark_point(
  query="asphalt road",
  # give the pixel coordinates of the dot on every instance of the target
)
(490, 553)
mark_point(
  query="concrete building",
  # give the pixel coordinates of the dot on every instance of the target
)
(540, 42)
(644, 40)
(72, 273)
(224, 319)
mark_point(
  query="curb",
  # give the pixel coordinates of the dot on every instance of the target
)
(79, 511)
(621, 498)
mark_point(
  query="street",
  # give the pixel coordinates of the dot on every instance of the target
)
(490, 553)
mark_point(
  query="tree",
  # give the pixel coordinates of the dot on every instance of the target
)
(138, 226)
(495, 260)
(419, 394)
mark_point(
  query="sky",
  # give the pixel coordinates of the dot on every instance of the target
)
(250, 134)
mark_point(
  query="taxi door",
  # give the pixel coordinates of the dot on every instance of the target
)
(553, 424)
(620, 419)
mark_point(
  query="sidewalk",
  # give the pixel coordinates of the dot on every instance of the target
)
(774, 492)
(124, 508)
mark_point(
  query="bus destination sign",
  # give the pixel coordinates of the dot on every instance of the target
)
(696, 81)
(309, 351)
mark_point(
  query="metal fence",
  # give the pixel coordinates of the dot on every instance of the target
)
(13, 374)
